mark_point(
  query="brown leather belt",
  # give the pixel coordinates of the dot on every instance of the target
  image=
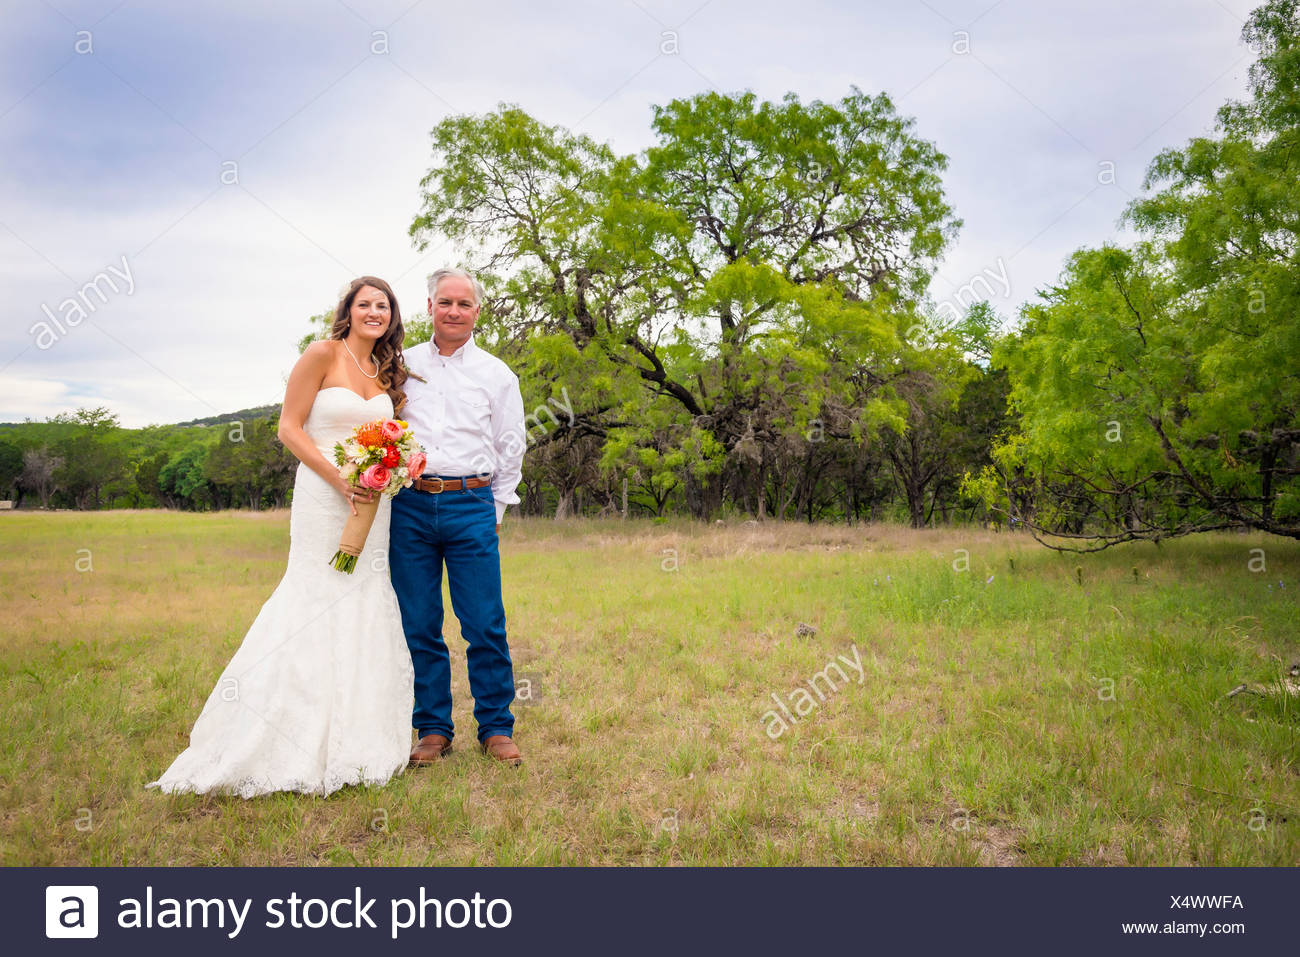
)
(435, 485)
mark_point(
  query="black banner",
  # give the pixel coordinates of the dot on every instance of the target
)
(648, 911)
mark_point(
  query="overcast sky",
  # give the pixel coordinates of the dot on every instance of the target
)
(118, 120)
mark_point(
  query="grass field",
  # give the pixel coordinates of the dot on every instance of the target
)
(1001, 703)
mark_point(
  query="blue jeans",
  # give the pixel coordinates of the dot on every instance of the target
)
(460, 528)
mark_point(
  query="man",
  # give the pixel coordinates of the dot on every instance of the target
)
(465, 408)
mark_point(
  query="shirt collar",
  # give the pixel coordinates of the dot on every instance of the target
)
(459, 355)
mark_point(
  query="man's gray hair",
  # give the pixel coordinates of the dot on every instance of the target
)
(447, 272)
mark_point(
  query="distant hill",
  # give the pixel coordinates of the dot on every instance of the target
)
(243, 415)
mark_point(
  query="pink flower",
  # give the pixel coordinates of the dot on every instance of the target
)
(392, 431)
(416, 465)
(375, 477)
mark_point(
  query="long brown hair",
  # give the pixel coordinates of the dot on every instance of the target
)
(388, 348)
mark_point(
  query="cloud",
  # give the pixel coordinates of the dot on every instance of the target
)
(23, 398)
(122, 151)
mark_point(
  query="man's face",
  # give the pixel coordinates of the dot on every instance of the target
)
(454, 312)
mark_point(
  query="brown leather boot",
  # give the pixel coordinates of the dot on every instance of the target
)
(503, 748)
(430, 750)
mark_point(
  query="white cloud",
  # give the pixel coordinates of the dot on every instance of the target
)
(24, 398)
(329, 189)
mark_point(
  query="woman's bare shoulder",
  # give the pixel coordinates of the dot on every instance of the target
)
(320, 353)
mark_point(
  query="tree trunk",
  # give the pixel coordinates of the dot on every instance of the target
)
(1267, 462)
(564, 506)
(915, 500)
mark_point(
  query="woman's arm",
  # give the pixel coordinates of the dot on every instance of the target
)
(304, 382)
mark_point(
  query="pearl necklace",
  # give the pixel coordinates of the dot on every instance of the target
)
(358, 364)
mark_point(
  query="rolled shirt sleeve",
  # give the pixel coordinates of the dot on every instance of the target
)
(509, 440)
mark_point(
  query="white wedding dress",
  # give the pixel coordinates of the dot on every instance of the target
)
(319, 694)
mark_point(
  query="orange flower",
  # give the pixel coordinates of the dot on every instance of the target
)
(370, 435)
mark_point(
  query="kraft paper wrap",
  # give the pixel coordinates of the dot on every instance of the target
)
(357, 528)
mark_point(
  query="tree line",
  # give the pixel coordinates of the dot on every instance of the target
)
(739, 321)
(86, 460)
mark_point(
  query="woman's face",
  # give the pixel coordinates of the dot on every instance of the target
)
(370, 313)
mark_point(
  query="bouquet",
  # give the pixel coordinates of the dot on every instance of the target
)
(383, 456)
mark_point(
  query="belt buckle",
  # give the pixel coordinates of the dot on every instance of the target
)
(441, 485)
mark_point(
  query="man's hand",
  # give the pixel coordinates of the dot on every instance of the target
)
(498, 529)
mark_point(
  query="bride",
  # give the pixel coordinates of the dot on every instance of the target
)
(319, 694)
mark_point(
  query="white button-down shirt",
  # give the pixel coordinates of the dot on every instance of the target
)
(469, 416)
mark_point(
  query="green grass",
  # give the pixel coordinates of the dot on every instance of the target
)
(1025, 720)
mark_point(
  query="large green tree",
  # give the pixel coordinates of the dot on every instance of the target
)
(748, 271)
(1158, 386)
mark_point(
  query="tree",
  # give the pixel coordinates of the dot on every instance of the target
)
(11, 467)
(1156, 385)
(276, 466)
(183, 478)
(1228, 223)
(251, 458)
(37, 476)
(754, 243)
(92, 455)
(147, 472)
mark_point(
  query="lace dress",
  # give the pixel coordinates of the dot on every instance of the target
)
(319, 694)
